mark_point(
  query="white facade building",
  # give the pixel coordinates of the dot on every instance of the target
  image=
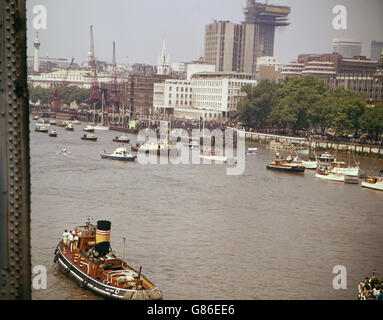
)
(210, 95)
(348, 48)
(79, 78)
(197, 67)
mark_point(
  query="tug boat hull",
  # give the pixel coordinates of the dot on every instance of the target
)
(85, 256)
(69, 269)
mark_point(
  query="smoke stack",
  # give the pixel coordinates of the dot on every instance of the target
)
(103, 237)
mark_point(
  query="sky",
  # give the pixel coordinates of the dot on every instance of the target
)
(139, 26)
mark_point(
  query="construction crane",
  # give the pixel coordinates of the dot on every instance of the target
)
(95, 92)
(56, 102)
(114, 90)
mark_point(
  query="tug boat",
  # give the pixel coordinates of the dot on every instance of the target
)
(90, 137)
(121, 153)
(123, 139)
(90, 262)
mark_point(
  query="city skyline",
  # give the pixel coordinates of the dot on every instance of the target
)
(182, 24)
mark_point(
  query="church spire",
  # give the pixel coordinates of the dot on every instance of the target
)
(163, 63)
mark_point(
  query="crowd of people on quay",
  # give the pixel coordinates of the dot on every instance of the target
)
(142, 122)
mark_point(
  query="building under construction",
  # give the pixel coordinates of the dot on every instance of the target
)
(236, 47)
(266, 18)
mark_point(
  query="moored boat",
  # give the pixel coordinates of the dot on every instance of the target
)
(89, 136)
(280, 165)
(310, 164)
(289, 165)
(121, 153)
(326, 157)
(85, 256)
(375, 183)
(324, 173)
(342, 168)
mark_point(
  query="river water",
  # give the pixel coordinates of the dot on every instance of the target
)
(199, 233)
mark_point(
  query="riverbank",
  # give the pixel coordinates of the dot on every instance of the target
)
(359, 149)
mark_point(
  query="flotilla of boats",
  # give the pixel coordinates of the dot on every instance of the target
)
(327, 168)
(326, 165)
